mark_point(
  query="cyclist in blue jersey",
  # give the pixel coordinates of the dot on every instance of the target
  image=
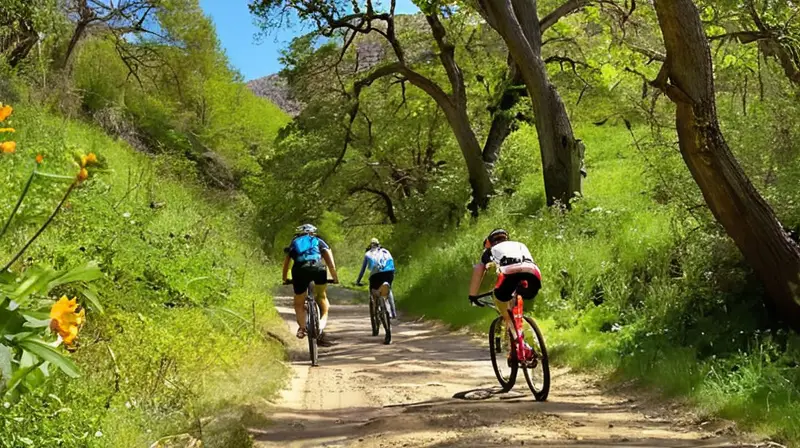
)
(310, 258)
(380, 263)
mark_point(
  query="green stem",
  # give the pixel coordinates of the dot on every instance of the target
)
(19, 202)
(44, 226)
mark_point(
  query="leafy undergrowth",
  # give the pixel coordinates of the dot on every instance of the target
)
(181, 350)
(632, 288)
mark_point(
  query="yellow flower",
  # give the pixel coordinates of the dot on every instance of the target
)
(5, 112)
(91, 158)
(66, 319)
(11, 130)
(8, 147)
(83, 161)
(83, 174)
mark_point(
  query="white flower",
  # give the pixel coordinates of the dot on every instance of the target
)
(98, 434)
(128, 404)
(126, 215)
(616, 327)
(6, 405)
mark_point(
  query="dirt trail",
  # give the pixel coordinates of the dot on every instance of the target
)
(366, 394)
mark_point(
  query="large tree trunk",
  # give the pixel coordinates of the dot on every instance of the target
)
(479, 179)
(687, 78)
(23, 44)
(77, 35)
(517, 23)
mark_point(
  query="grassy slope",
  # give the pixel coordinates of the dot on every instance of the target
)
(185, 286)
(677, 309)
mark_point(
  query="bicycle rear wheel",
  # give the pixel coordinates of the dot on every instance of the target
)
(537, 370)
(373, 316)
(312, 326)
(385, 320)
(504, 357)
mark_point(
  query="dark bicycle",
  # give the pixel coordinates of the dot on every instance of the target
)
(313, 332)
(379, 314)
(521, 347)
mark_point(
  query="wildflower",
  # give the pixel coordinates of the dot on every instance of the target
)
(8, 130)
(83, 174)
(66, 318)
(88, 159)
(5, 112)
(8, 147)
(39, 159)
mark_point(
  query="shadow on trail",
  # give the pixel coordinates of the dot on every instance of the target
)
(433, 388)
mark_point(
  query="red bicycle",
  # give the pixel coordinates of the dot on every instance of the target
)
(519, 348)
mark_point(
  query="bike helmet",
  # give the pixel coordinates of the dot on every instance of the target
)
(490, 240)
(307, 229)
(374, 242)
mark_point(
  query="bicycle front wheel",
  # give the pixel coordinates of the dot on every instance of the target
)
(504, 357)
(536, 369)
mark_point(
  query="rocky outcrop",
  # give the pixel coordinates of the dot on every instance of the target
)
(277, 90)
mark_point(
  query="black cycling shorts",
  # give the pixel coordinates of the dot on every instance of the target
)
(307, 272)
(507, 284)
(379, 278)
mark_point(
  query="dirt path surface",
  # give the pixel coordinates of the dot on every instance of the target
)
(366, 394)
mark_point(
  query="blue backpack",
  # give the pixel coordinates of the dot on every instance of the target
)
(305, 248)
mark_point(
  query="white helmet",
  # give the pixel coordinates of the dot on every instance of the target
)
(307, 229)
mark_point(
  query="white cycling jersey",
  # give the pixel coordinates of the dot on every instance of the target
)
(511, 257)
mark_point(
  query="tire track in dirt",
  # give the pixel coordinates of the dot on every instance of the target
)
(366, 394)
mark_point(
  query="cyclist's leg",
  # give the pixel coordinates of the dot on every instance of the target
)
(321, 296)
(389, 279)
(391, 303)
(503, 295)
(300, 287)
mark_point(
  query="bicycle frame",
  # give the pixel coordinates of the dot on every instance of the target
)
(516, 318)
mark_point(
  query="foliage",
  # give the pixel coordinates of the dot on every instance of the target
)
(184, 296)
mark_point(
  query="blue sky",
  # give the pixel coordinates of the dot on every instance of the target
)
(255, 57)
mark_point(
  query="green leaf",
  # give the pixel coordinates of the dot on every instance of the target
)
(41, 349)
(87, 273)
(5, 362)
(10, 321)
(33, 322)
(91, 295)
(17, 378)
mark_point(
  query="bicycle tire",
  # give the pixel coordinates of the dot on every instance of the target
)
(544, 390)
(385, 320)
(495, 345)
(373, 317)
(311, 333)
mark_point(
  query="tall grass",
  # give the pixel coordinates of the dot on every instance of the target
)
(186, 292)
(633, 288)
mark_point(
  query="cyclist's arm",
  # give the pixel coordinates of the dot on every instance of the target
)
(478, 272)
(363, 268)
(328, 256)
(286, 262)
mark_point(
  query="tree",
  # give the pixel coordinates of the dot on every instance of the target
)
(517, 22)
(120, 18)
(687, 79)
(773, 25)
(349, 20)
(21, 23)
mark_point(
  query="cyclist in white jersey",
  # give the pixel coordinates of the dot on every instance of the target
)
(516, 272)
(380, 263)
